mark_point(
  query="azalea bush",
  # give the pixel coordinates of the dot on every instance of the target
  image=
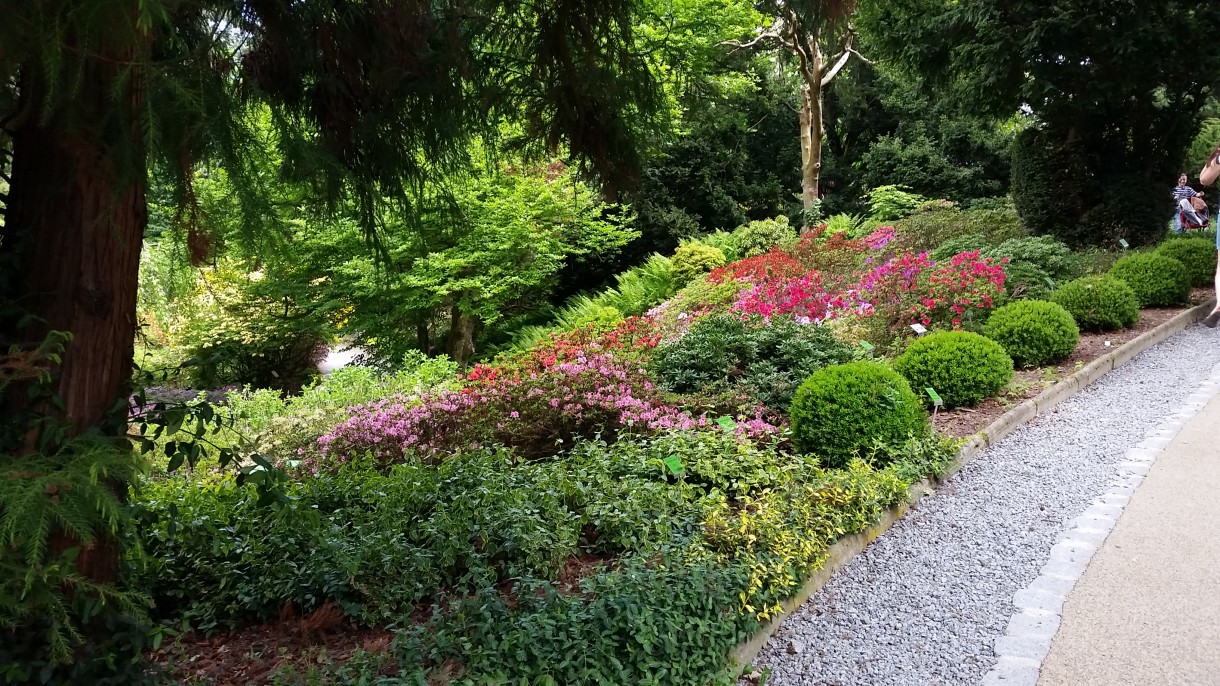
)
(914, 289)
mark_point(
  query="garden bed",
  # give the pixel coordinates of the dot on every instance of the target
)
(622, 502)
(1027, 383)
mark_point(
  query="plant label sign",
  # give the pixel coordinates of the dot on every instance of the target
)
(1123, 242)
(936, 399)
(674, 463)
(727, 423)
(919, 329)
(866, 346)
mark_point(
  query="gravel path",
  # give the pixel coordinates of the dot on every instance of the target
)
(926, 601)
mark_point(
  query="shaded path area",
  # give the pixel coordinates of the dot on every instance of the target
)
(926, 602)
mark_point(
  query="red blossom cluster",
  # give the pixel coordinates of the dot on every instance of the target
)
(776, 263)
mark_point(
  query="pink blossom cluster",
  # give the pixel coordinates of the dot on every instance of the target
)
(883, 236)
(806, 298)
(538, 415)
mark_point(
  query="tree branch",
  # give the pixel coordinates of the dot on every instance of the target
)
(839, 63)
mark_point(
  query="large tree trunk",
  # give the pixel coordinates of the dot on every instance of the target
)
(75, 221)
(78, 224)
(460, 343)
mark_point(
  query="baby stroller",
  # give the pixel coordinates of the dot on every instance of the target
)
(1198, 219)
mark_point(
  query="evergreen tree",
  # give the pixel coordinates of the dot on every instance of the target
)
(1114, 87)
(369, 100)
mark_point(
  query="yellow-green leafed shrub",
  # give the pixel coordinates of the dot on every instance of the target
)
(841, 410)
(692, 260)
(758, 237)
(781, 535)
(1033, 332)
(963, 367)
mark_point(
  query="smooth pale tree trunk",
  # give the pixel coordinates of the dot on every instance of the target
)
(811, 70)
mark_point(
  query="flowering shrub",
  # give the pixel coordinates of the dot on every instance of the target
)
(880, 238)
(808, 299)
(776, 263)
(833, 254)
(537, 413)
(630, 339)
(913, 289)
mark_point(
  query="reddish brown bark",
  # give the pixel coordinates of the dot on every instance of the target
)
(75, 217)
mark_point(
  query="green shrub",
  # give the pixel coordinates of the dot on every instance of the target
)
(786, 353)
(960, 244)
(932, 228)
(1051, 256)
(693, 259)
(1033, 332)
(841, 410)
(709, 356)
(890, 203)
(1025, 280)
(725, 242)
(850, 224)
(1158, 281)
(1099, 303)
(1198, 255)
(963, 367)
(765, 359)
(758, 237)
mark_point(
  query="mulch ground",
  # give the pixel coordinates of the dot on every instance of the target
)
(1027, 383)
(256, 654)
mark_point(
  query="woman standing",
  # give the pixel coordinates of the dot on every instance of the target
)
(1207, 177)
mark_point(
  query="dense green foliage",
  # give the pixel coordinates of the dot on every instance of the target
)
(1158, 281)
(1097, 161)
(693, 259)
(1033, 332)
(605, 417)
(1099, 303)
(767, 360)
(1198, 255)
(841, 410)
(963, 367)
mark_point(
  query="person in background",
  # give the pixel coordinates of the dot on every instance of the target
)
(1182, 193)
(1207, 177)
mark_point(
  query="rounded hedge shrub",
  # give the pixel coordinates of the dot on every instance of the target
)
(963, 367)
(1099, 303)
(1198, 255)
(1158, 281)
(693, 259)
(1033, 332)
(840, 410)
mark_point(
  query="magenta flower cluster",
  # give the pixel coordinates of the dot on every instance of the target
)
(538, 415)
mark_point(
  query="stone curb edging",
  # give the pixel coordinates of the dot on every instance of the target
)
(846, 548)
(1023, 647)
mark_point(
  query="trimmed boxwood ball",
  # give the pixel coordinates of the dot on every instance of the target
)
(1198, 255)
(963, 367)
(1099, 303)
(841, 410)
(1033, 332)
(1158, 281)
